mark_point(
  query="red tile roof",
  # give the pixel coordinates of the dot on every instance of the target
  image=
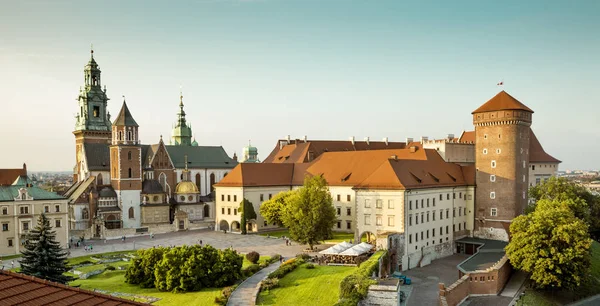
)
(8, 176)
(502, 101)
(299, 151)
(24, 290)
(467, 137)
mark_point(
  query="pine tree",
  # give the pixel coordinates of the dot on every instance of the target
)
(43, 256)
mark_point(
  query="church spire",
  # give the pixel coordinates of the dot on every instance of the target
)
(92, 100)
(182, 132)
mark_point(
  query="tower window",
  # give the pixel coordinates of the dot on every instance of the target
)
(493, 164)
(131, 215)
(492, 195)
(484, 151)
(129, 155)
(498, 151)
(129, 172)
(499, 136)
(533, 167)
(492, 178)
(96, 111)
(484, 136)
(494, 212)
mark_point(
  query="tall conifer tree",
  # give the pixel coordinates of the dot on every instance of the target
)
(43, 257)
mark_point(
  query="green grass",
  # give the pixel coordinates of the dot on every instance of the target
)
(114, 281)
(77, 260)
(91, 268)
(337, 236)
(260, 260)
(534, 298)
(318, 286)
(10, 257)
(595, 266)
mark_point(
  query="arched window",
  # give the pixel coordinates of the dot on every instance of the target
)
(212, 181)
(85, 214)
(198, 180)
(120, 135)
(206, 211)
(131, 215)
(129, 155)
(129, 137)
(130, 172)
(162, 179)
(23, 196)
(99, 179)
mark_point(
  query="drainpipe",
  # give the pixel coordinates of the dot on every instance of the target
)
(406, 229)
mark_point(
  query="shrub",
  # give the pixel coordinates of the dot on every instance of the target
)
(347, 302)
(110, 268)
(85, 262)
(358, 260)
(269, 283)
(253, 257)
(309, 266)
(251, 269)
(225, 294)
(287, 267)
(354, 287)
(274, 258)
(303, 256)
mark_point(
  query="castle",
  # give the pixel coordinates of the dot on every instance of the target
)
(123, 186)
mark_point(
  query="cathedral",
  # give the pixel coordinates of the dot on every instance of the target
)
(122, 184)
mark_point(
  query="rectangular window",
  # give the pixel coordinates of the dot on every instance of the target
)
(447, 196)
(422, 218)
(4, 210)
(494, 212)
(447, 213)
(441, 197)
(379, 204)
(57, 208)
(416, 237)
(465, 225)
(459, 226)
(228, 198)
(338, 210)
(262, 197)
(367, 219)
(441, 233)
(453, 228)
(25, 226)
(447, 229)
(492, 195)
(433, 202)
(24, 210)
(454, 213)
(348, 211)
(391, 221)
(409, 220)
(10, 243)
(422, 235)
(235, 198)
(223, 197)
(427, 234)
(348, 198)
(459, 212)
(339, 197)
(460, 195)
(235, 212)
(56, 223)
(378, 220)
(348, 224)
(433, 215)
(493, 164)
(367, 203)
(5, 227)
(441, 214)
(427, 202)
(454, 195)
(410, 205)
(465, 211)
(229, 211)
(422, 203)
(46, 209)
(410, 238)
(339, 224)
(223, 210)
(391, 204)
(492, 177)
(417, 219)
(270, 196)
(433, 232)
(427, 216)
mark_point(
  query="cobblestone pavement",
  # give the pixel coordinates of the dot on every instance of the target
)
(245, 294)
(219, 240)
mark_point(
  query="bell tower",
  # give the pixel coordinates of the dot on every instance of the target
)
(502, 162)
(92, 122)
(126, 167)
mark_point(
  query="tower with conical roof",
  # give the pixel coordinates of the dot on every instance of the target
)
(126, 167)
(182, 132)
(92, 122)
(502, 162)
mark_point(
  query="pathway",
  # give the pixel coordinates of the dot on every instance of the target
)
(245, 294)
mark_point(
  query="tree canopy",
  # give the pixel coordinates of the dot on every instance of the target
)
(247, 213)
(43, 257)
(551, 243)
(272, 209)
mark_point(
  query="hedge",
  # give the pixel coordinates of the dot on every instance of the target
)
(354, 287)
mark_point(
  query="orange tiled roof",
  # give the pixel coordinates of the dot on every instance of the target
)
(8, 176)
(467, 137)
(299, 151)
(502, 101)
(20, 289)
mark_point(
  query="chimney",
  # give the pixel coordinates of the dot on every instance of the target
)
(367, 140)
(385, 139)
(394, 157)
(305, 138)
(409, 140)
(352, 140)
(25, 168)
(288, 139)
(413, 149)
(450, 137)
(424, 139)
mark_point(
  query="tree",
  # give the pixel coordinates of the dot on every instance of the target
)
(552, 244)
(310, 215)
(43, 257)
(247, 213)
(584, 204)
(141, 270)
(272, 209)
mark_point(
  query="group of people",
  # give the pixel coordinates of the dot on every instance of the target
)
(288, 242)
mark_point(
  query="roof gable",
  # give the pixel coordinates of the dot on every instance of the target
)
(502, 101)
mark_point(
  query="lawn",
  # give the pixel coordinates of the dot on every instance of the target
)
(260, 260)
(534, 298)
(318, 286)
(114, 281)
(337, 236)
(10, 257)
(77, 260)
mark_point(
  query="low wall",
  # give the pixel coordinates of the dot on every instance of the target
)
(161, 228)
(484, 282)
(424, 257)
(119, 232)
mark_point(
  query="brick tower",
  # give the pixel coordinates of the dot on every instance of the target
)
(502, 161)
(92, 121)
(126, 167)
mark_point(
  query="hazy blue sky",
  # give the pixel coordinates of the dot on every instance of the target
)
(328, 69)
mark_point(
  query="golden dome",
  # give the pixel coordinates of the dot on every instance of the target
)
(186, 187)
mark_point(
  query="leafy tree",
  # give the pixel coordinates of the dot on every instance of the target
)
(272, 209)
(584, 204)
(310, 214)
(247, 213)
(552, 244)
(141, 270)
(43, 257)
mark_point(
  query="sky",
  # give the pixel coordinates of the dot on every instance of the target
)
(328, 69)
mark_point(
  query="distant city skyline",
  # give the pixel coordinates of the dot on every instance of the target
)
(261, 70)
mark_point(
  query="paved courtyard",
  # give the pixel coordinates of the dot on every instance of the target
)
(425, 280)
(241, 243)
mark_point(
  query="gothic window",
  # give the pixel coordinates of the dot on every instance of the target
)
(129, 155)
(162, 179)
(130, 172)
(129, 136)
(120, 135)
(96, 111)
(99, 179)
(212, 181)
(198, 180)
(131, 215)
